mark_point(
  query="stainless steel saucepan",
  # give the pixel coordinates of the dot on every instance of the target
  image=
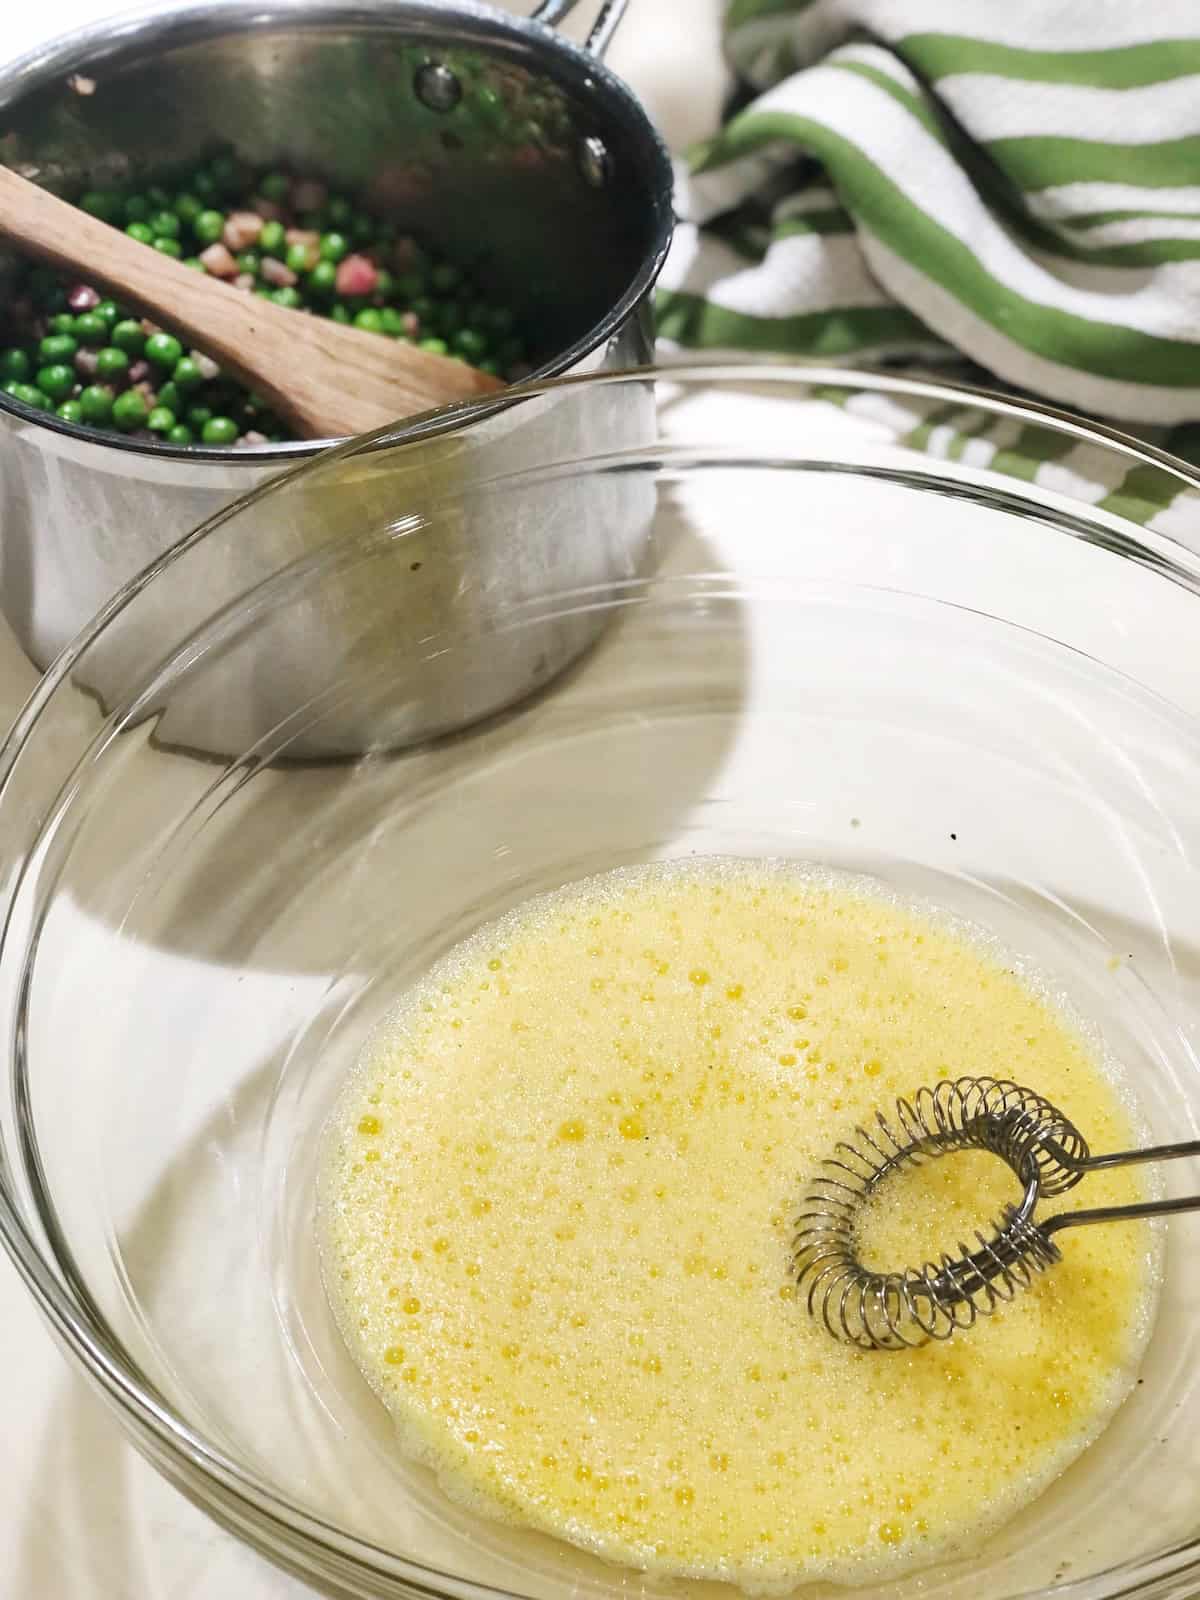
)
(504, 144)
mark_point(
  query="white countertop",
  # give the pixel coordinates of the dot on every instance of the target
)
(84, 1518)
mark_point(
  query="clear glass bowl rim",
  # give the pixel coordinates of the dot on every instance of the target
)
(238, 1499)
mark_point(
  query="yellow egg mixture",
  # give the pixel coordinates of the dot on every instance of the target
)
(558, 1200)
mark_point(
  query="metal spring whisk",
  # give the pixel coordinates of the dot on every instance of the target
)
(1049, 1155)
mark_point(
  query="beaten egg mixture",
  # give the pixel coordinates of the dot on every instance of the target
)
(558, 1199)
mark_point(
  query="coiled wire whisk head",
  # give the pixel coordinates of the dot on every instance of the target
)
(894, 1310)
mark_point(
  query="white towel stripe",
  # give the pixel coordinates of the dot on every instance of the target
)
(1133, 230)
(1027, 24)
(1066, 200)
(796, 205)
(806, 272)
(1108, 397)
(991, 107)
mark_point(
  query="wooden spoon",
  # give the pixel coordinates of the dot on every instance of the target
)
(324, 379)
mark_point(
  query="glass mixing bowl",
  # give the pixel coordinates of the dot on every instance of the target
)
(893, 626)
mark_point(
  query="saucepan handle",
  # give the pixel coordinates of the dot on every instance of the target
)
(605, 25)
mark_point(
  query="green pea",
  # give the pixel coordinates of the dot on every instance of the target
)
(488, 106)
(109, 313)
(129, 336)
(111, 363)
(129, 411)
(436, 347)
(195, 263)
(369, 321)
(188, 207)
(469, 342)
(70, 411)
(264, 290)
(96, 403)
(161, 419)
(169, 247)
(490, 367)
(171, 396)
(30, 396)
(449, 317)
(209, 226)
(288, 296)
(248, 261)
(272, 239)
(164, 349)
(165, 225)
(57, 347)
(423, 307)
(297, 257)
(445, 278)
(219, 430)
(340, 210)
(90, 329)
(385, 284)
(362, 228)
(275, 186)
(202, 184)
(158, 196)
(322, 280)
(56, 381)
(198, 415)
(137, 208)
(340, 312)
(334, 246)
(392, 322)
(180, 434)
(101, 203)
(141, 231)
(187, 374)
(62, 322)
(15, 365)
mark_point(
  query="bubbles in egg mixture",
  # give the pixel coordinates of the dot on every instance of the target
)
(558, 1197)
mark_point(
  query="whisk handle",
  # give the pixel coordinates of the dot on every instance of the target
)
(1144, 1208)
(1129, 1158)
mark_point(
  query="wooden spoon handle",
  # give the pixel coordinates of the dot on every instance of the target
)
(322, 378)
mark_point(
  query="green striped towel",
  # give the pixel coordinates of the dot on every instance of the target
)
(1015, 184)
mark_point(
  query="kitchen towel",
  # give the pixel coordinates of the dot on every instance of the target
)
(1015, 186)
